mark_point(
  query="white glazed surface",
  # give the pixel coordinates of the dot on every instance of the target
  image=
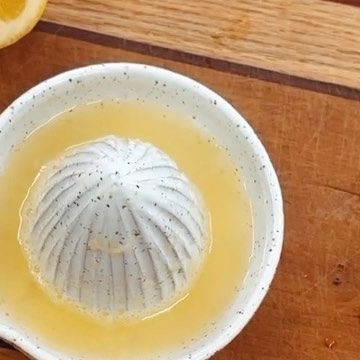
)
(213, 115)
(115, 227)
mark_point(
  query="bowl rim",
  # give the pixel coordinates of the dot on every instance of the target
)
(24, 344)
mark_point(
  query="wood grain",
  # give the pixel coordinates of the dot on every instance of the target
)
(218, 64)
(313, 39)
(313, 140)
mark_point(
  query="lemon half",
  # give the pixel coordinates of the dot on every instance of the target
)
(17, 18)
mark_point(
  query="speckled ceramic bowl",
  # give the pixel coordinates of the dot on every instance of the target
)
(217, 118)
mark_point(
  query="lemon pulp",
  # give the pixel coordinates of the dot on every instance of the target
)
(11, 9)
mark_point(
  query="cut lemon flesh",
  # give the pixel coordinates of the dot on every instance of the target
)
(17, 18)
(11, 9)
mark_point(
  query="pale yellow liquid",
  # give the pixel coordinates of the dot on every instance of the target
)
(64, 328)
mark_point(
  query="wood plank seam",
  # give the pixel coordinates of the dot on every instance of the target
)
(204, 61)
(346, 2)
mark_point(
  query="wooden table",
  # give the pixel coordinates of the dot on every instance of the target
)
(292, 68)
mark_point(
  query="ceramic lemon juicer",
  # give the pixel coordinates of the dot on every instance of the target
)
(116, 228)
